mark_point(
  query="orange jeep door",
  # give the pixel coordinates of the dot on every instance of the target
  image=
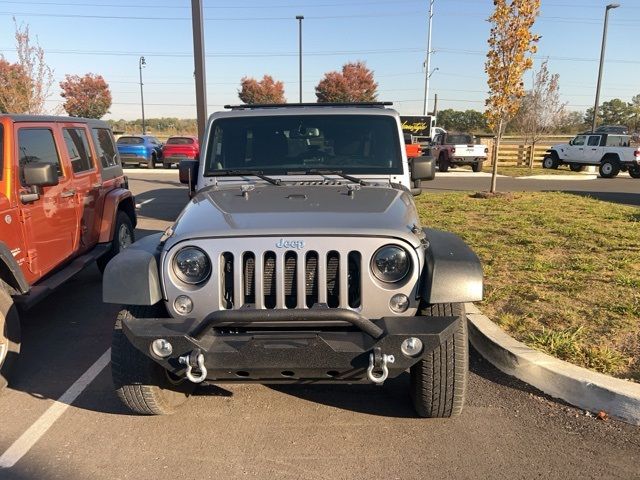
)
(50, 223)
(85, 180)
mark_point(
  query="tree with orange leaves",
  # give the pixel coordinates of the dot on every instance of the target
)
(88, 96)
(354, 83)
(266, 90)
(511, 44)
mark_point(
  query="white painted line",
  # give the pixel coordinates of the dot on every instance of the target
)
(30, 437)
(138, 205)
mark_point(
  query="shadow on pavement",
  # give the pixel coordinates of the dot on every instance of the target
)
(623, 198)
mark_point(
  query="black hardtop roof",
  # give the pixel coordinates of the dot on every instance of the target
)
(299, 105)
(19, 117)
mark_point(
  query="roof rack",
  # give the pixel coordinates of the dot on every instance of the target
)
(298, 105)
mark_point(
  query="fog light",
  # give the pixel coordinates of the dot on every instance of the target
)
(161, 348)
(399, 303)
(183, 305)
(411, 346)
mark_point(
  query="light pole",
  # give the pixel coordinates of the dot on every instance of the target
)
(199, 66)
(300, 18)
(142, 63)
(604, 43)
(428, 62)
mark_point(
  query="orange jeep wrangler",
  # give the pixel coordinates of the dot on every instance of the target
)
(64, 203)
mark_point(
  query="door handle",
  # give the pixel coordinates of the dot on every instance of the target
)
(594, 149)
(67, 193)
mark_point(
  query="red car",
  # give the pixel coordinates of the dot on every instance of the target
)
(180, 148)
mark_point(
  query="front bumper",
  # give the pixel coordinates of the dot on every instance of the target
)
(236, 349)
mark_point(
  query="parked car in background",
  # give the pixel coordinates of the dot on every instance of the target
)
(612, 153)
(179, 148)
(64, 203)
(140, 149)
(458, 149)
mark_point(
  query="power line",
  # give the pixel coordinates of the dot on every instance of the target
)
(212, 19)
(538, 57)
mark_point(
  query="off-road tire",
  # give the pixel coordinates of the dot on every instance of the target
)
(117, 245)
(151, 164)
(439, 381)
(9, 334)
(443, 163)
(609, 167)
(574, 167)
(551, 161)
(140, 383)
(634, 172)
(477, 167)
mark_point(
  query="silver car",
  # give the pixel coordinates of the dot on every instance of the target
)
(300, 258)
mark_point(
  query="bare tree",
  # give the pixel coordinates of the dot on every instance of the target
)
(541, 111)
(32, 62)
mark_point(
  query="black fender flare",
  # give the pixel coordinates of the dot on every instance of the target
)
(132, 276)
(452, 272)
(10, 271)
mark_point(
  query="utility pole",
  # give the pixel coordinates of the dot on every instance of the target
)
(142, 63)
(427, 74)
(199, 63)
(300, 18)
(604, 43)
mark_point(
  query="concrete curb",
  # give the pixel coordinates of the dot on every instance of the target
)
(578, 386)
(559, 177)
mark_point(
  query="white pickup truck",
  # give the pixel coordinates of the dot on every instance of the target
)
(611, 152)
(458, 149)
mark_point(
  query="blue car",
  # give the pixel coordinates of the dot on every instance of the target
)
(140, 149)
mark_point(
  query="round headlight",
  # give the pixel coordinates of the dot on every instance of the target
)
(391, 263)
(191, 265)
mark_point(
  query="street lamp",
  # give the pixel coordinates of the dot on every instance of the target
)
(300, 18)
(427, 66)
(142, 63)
(604, 42)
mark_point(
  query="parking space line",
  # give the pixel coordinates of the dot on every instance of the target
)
(30, 437)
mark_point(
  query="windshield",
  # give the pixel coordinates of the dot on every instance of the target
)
(180, 141)
(130, 141)
(279, 144)
(459, 139)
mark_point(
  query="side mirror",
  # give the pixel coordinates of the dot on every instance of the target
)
(40, 174)
(423, 168)
(570, 142)
(188, 173)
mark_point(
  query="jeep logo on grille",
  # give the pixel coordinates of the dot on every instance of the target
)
(297, 244)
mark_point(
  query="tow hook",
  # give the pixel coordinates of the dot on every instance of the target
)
(194, 360)
(378, 371)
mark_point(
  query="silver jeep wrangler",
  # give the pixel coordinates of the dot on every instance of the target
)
(300, 258)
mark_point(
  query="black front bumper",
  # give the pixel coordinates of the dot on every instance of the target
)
(241, 346)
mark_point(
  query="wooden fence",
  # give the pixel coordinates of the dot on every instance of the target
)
(515, 152)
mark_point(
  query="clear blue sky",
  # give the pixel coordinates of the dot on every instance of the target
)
(254, 37)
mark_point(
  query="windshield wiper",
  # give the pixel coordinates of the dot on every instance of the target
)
(240, 173)
(315, 171)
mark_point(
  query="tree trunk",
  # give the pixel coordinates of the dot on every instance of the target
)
(532, 153)
(494, 166)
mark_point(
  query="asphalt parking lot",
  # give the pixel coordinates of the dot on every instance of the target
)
(507, 430)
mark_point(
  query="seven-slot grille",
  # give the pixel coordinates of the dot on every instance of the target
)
(290, 279)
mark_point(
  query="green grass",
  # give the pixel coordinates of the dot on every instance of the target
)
(526, 171)
(562, 272)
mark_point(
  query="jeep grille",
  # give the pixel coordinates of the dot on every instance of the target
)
(299, 273)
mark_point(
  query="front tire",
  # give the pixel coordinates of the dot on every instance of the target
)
(123, 237)
(9, 334)
(439, 380)
(140, 383)
(609, 168)
(634, 171)
(550, 161)
(443, 163)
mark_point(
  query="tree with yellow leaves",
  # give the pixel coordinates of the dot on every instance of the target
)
(510, 44)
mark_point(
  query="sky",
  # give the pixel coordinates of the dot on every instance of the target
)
(257, 37)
